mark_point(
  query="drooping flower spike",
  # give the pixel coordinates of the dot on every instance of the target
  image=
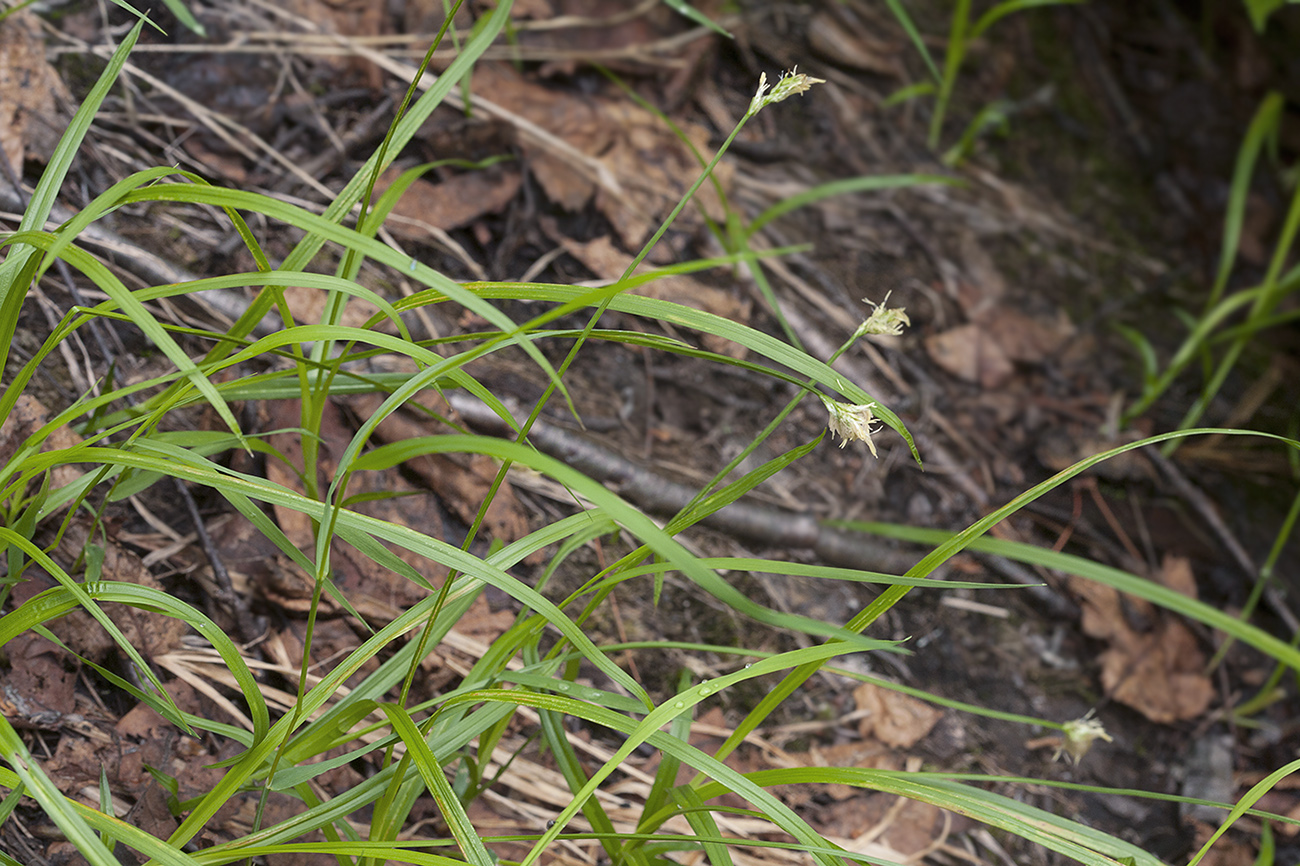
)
(851, 423)
(1080, 734)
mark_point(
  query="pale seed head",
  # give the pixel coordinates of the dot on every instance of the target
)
(884, 320)
(1080, 734)
(789, 84)
(851, 423)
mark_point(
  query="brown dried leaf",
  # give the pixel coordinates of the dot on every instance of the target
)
(482, 623)
(882, 826)
(449, 204)
(651, 165)
(307, 305)
(1226, 851)
(533, 9)
(353, 18)
(895, 719)
(146, 739)
(377, 592)
(1176, 573)
(27, 416)
(76, 764)
(868, 753)
(656, 169)
(984, 287)
(1160, 675)
(38, 687)
(1103, 616)
(142, 722)
(151, 813)
(1060, 447)
(30, 119)
(969, 353)
(284, 415)
(150, 633)
(863, 753)
(608, 263)
(1160, 672)
(1256, 229)
(461, 481)
(1024, 338)
(610, 28)
(426, 16)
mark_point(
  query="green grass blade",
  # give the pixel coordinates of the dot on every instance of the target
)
(52, 802)
(566, 758)
(78, 592)
(12, 288)
(647, 730)
(402, 133)
(1082, 843)
(185, 16)
(665, 780)
(1263, 127)
(56, 601)
(918, 41)
(869, 183)
(1002, 10)
(681, 7)
(626, 515)
(452, 812)
(1192, 346)
(706, 828)
(1260, 10)
(1123, 581)
(323, 228)
(156, 334)
(676, 314)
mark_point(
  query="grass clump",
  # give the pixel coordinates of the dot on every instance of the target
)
(443, 747)
(962, 32)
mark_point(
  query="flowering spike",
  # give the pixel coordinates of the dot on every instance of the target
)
(1080, 734)
(789, 84)
(883, 320)
(851, 423)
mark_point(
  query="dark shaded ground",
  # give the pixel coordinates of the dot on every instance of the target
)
(1102, 204)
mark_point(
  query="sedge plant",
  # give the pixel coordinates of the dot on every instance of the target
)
(448, 747)
(942, 86)
(1221, 332)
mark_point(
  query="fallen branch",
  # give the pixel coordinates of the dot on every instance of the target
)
(771, 527)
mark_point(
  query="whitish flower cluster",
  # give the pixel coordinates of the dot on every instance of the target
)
(854, 423)
(851, 423)
(883, 320)
(1080, 734)
(787, 85)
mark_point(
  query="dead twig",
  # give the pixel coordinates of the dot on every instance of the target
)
(772, 527)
